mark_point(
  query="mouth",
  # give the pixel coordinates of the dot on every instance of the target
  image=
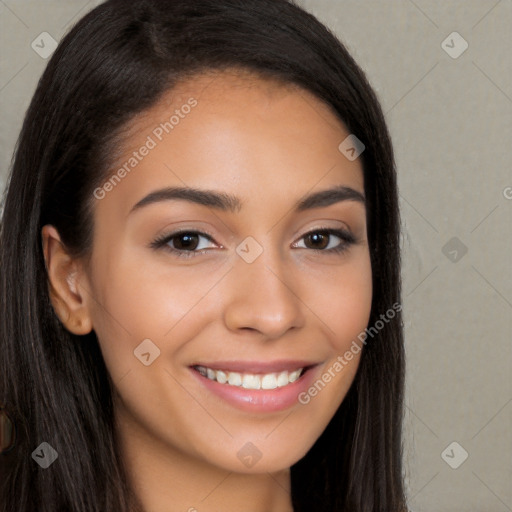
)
(246, 380)
(256, 387)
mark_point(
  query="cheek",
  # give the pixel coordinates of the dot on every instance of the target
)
(137, 299)
(145, 309)
(343, 299)
(344, 309)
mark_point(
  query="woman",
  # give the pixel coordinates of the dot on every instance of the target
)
(200, 270)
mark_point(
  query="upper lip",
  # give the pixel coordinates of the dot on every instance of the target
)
(257, 366)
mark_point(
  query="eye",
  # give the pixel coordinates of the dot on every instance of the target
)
(322, 240)
(182, 243)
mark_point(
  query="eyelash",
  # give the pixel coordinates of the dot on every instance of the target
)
(162, 241)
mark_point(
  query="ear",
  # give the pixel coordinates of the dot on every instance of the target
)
(67, 296)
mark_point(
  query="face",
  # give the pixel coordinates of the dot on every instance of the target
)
(241, 278)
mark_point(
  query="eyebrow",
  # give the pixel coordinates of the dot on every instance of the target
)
(230, 203)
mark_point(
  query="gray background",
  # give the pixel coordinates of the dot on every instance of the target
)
(451, 123)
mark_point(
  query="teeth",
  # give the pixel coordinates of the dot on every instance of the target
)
(269, 381)
(294, 375)
(221, 376)
(250, 380)
(202, 370)
(235, 379)
(282, 379)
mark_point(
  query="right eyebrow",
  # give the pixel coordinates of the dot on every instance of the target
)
(219, 200)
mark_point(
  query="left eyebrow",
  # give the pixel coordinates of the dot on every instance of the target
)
(227, 202)
(328, 197)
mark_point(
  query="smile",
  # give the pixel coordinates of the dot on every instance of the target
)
(251, 380)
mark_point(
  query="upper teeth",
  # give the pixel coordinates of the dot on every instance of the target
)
(250, 380)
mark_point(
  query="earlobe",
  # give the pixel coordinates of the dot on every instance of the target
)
(68, 297)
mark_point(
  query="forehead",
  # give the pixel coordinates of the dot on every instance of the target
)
(229, 95)
(233, 130)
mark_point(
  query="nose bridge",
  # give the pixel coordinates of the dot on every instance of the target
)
(261, 294)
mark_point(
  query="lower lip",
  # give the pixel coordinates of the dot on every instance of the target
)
(259, 400)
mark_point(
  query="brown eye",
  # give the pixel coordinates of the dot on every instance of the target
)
(185, 241)
(321, 239)
(185, 244)
(318, 240)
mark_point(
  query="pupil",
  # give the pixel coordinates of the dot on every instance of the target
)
(189, 241)
(318, 236)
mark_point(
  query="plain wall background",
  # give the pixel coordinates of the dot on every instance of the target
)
(451, 123)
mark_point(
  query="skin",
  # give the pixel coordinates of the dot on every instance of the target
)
(269, 145)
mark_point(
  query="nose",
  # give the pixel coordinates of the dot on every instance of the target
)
(261, 297)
